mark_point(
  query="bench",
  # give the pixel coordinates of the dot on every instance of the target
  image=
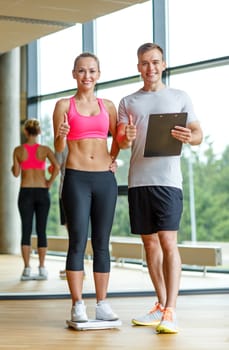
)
(124, 248)
(192, 254)
(121, 250)
(200, 255)
(60, 244)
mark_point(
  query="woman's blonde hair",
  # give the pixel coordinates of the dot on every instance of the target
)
(32, 126)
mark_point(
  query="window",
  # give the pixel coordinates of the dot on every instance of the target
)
(209, 93)
(56, 56)
(118, 36)
(197, 30)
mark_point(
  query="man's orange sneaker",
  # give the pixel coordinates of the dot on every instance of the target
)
(168, 323)
(152, 318)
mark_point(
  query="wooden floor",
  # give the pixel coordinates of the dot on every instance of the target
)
(33, 314)
(40, 324)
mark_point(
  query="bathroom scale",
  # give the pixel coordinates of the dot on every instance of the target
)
(93, 324)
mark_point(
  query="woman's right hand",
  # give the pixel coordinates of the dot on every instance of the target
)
(64, 127)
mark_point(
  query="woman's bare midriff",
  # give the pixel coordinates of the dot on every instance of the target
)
(34, 178)
(88, 155)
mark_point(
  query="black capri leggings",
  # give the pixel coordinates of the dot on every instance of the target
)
(34, 201)
(89, 197)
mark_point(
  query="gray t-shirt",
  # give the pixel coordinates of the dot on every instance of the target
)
(153, 171)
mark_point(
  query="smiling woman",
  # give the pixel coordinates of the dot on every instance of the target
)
(89, 191)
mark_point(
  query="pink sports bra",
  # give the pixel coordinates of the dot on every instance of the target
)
(95, 126)
(32, 162)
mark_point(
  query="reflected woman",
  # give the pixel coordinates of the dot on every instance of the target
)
(29, 161)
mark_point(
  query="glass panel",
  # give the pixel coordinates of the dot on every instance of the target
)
(197, 30)
(133, 26)
(56, 57)
(116, 93)
(121, 226)
(46, 113)
(210, 164)
(54, 227)
(210, 106)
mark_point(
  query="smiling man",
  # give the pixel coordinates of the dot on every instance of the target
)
(155, 183)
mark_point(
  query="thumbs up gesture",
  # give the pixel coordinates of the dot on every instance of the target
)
(64, 127)
(130, 130)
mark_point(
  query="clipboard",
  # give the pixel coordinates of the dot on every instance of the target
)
(159, 142)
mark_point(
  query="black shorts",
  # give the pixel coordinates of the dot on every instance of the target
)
(155, 208)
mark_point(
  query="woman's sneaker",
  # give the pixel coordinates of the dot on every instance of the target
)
(78, 312)
(26, 274)
(42, 275)
(104, 312)
(152, 318)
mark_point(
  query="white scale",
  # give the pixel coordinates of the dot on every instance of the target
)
(93, 324)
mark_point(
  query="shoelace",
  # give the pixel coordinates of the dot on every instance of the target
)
(157, 307)
(167, 315)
